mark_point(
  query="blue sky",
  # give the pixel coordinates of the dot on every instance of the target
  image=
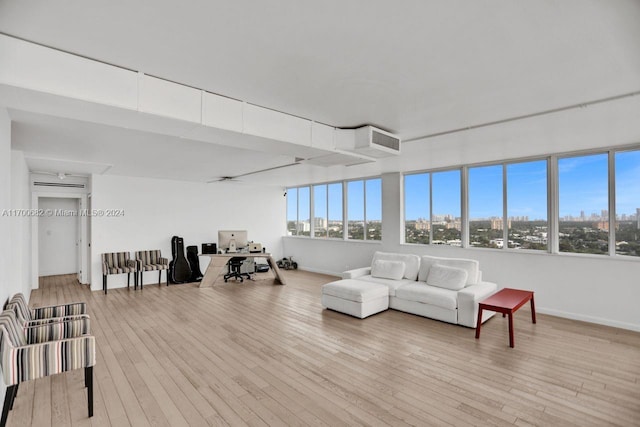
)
(582, 187)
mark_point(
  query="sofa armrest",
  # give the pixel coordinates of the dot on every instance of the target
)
(163, 261)
(357, 272)
(468, 299)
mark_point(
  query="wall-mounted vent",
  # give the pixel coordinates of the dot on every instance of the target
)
(370, 142)
(57, 184)
(385, 140)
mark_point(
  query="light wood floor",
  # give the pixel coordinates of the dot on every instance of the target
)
(257, 354)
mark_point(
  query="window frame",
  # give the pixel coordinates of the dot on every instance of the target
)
(364, 208)
(552, 176)
(344, 201)
(430, 173)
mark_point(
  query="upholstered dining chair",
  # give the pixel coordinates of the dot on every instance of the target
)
(152, 261)
(39, 351)
(118, 263)
(47, 314)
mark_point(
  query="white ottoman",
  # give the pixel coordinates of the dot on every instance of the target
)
(355, 297)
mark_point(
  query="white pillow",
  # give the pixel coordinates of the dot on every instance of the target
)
(446, 277)
(386, 269)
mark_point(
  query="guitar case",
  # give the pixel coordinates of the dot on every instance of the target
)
(179, 269)
(194, 262)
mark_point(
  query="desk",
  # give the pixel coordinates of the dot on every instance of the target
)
(507, 301)
(218, 262)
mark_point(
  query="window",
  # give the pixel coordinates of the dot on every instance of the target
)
(627, 230)
(373, 208)
(327, 210)
(334, 215)
(486, 223)
(292, 211)
(298, 205)
(364, 209)
(417, 216)
(445, 208)
(583, 204)
(527, 205)
(304, 215)
(596, 207)
(435, 219)
(320, 210)
(355, 210)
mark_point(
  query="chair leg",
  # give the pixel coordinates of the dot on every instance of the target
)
(135, 281)
(140, 279)
(104, 283)
(8, 402)
(159, 277)
(15, 393)
(88, 380)
(128, 279)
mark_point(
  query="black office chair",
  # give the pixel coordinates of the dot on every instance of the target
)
(234, 266)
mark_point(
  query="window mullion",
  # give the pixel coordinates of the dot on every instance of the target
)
(464, 204)
(553, 209)
(505, 220)
(364, 209)
(345, 224)
(312, 212)
(326, 232)
(431, 208)
(297, 212)
(612, 203)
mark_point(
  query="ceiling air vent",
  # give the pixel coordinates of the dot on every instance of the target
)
(57, 184)
(385, 140)
(369, 141)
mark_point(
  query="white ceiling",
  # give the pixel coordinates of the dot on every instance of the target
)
(423, 68)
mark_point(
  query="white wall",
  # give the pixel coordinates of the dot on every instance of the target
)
(21, 228)
(6, 287)
(58, 237)
(155, 210)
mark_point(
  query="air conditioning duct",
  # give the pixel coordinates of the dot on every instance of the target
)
(57, 184)
(369, 141)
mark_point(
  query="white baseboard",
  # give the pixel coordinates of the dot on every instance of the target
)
(53, 273)
(590, 319)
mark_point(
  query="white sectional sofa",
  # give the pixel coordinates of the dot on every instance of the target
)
(446, 289)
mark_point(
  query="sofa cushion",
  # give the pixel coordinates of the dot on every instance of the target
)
(471, 266)
(423, 293)
(355, 290)
(411, 262)
(443, 276)
(387, 269)
(389, 283)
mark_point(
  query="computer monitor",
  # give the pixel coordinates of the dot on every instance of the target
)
(232, 240)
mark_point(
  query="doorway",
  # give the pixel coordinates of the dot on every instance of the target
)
(58, 235)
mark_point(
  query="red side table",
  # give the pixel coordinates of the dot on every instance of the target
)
(506, 301)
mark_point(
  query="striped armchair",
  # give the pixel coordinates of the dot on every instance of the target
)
(48, 314)
(152, 261)
(29, 353)
(118, 263)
